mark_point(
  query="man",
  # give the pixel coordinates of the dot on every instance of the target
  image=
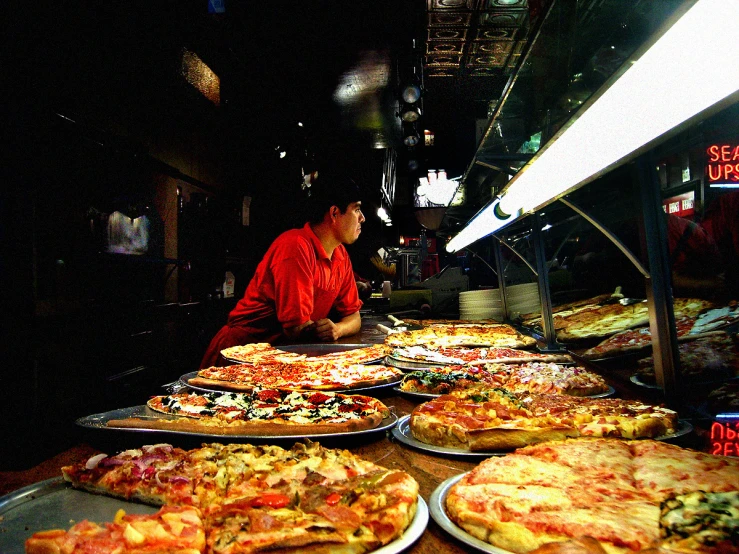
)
(305, 275)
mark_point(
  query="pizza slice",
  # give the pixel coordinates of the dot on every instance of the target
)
(259, 353)
(173, 529)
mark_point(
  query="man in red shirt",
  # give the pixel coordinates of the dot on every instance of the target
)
(305, 275)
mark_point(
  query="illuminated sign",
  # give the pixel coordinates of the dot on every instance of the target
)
(722, 164)
(682, 205)
(724, 439)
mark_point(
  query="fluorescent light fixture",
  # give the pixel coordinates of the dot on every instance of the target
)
(724, 185)
(678, 78)
(485, 222)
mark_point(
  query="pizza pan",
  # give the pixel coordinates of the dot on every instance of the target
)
(437, 502)
(402, 433)
(427, 396)
(100, 421)
(413, 366)
(360, 390)
(53, 504)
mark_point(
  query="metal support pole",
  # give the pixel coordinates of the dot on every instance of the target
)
(547, 322)
(658, 286)
(501, 278)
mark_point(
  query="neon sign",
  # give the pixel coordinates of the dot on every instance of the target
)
(723, 163)
(725, 437)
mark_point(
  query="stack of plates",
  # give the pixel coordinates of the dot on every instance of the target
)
(522, 299)
(481, 304)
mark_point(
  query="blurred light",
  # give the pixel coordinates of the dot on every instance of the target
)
(283, 154)
(411, 93)
(200, 76)
(409, 114)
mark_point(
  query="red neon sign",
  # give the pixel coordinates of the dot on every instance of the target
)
(725, 438)
(723, 163)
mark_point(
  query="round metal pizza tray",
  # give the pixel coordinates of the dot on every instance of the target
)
(437, 501)
(427, 396)
(360, 390)
(100, 421)
(53, 504)
(413, 366)
(402, 432)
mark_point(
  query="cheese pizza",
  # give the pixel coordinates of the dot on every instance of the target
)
(623, 494)
(461, 356)
(258, 498)
(450, 335)
(264, 353)
(261, 412)
(302, 375)
(494, 419)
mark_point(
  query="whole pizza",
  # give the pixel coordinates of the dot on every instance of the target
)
(624, 495)
(524, 378)
(460, 355)
(328, 375)
(461, 334)
(264, 353)
(241, 499)
(261, 412)
(496, 419)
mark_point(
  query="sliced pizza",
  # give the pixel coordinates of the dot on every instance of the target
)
(261, 412)
(451, 335)
(461, 356)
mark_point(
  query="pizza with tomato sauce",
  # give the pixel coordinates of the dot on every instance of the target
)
(264, 353)
(253, 498)
(461, 355)
(589, 496)
(173, 529)
(497, 419)
(261, 412)
(302, 375)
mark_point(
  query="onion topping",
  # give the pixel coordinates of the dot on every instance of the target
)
(93, 462)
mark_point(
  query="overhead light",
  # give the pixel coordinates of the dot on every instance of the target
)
(665, 87)
(409, 114)
(411, 93)
(410, 137)
(283, 154)
(381, 213)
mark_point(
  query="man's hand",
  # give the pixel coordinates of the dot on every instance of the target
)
(327, 331)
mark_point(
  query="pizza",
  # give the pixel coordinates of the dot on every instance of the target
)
(261, 412)
(443, 380)
(701, 521)
(263, 498)
(173, 529)
(495, 419)
(724, 399)
(303, 375)
(448, 335)
(534, 377)
(635, 340)
(548, 378)
(575, 306)
(605, 320)
(264, 353)
(710, 358)
(461, 356)
(614, 491)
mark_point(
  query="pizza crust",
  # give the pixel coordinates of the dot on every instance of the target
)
(247, 428)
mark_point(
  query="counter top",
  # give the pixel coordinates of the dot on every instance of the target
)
(429, 469)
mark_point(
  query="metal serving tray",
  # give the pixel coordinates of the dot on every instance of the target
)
(100, 422)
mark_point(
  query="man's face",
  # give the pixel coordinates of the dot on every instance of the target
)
(349, 224)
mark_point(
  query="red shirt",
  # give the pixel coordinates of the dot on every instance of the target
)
(295, 281)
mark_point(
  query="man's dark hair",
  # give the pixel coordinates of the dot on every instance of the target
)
(331, 188)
